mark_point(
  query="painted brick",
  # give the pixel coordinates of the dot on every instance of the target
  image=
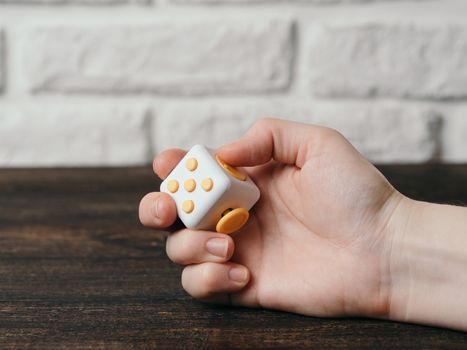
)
(454, 135)
(247, 2)
(65, 2)
(2, 61)
(174, 58)
(73, 135)
(389, 60)
(384, 134)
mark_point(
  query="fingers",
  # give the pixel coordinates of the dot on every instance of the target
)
(192, 247)
(157, 210)
(166, 161)
(208, 275)
(286, 142)
(205, 280)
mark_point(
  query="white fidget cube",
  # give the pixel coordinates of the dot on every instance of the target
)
(209, 193)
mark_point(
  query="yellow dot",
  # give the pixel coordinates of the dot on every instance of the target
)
(172, 186)
(190, 185)
(191, 164)
(207, 184)
(188, 206)
(232, 221)
(231, 170)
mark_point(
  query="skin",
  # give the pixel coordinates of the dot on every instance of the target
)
(330, 236)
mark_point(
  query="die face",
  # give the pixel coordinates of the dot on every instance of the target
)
(200, 184)
(241, 192)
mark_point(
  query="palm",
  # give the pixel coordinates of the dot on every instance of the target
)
(314, 233)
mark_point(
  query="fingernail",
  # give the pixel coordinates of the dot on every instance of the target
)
(217, 247)
(238, 274)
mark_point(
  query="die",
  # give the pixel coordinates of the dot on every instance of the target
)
(209, 193)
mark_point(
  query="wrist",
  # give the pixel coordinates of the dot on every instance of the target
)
(397, 265)
(388, 223)
(427, 264)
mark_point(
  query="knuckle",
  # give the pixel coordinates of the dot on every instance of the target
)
(209, 279)
(329, 135)
(328, 131)
(184, 246)
(199, 291)
(179, 247)
(264, 122)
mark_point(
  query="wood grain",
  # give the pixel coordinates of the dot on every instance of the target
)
(77, 270)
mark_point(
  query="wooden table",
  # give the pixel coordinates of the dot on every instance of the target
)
(77, 270)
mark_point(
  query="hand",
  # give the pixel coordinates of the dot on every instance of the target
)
(317, 242)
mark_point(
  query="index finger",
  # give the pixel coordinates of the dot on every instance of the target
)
(284, 141)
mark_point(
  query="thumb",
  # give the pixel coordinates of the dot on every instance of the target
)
(284, 141)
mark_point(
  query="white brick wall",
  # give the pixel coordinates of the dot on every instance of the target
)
(2, 60)
(74, 135)
(397, 133)
(175, 58)
(404, 61)
(112, 82)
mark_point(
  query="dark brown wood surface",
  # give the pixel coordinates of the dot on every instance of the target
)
(77, 270)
